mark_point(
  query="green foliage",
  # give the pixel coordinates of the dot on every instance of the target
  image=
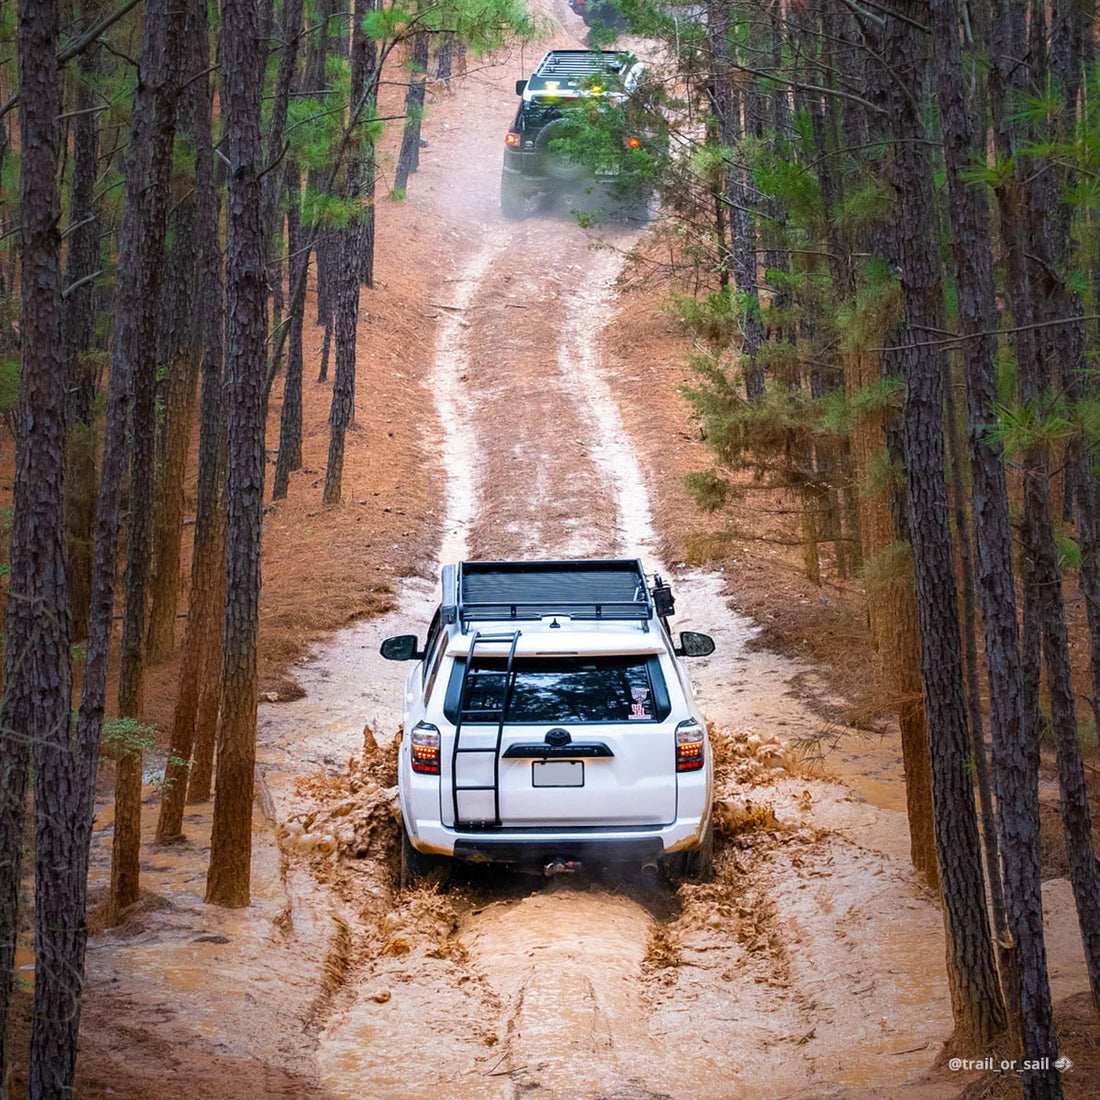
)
(1069, 553)
(865, 206)
(127, 737)
(331, 211)
(714, 318)
(1024, 425)
(708, 489)
(841, 411)
(10, 366)
(161, 783)
(884, 475)
(865, 321)
(883, 569)
(791, 183)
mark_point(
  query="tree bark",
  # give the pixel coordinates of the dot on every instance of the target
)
(742, 231)
(35, 708)
(1015, 755)
(977, 1006)
(1028, 263)
(228, 882)
(202, 636)
(349, 273)
(408, 159)
(78, 324)
(183, 359)
(290, 419)
(160, 68)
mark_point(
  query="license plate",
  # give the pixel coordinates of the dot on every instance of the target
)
(557, 773)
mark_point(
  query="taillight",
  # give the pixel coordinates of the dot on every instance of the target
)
(424, 742)
(690, 737)
(511, 139)
(632, 142)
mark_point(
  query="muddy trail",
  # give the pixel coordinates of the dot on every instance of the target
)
(812, 966)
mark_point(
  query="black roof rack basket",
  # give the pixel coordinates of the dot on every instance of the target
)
(497, 591)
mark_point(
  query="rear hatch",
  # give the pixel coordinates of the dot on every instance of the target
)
(586, 742)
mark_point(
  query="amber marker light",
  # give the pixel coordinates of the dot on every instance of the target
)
(632, 143)
(425, 749)
(689, 746)
(511, 139)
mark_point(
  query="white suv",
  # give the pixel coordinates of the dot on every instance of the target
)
(549, 724)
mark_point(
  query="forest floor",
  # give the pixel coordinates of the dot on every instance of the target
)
(511, 402)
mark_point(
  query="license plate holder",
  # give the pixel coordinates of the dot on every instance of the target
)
(557, 773)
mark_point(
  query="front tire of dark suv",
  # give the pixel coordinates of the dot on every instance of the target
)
(418, 868)
(513, 200)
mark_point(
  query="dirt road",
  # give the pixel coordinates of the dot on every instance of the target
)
(812, 967)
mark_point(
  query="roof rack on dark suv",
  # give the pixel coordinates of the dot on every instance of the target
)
(573, 66)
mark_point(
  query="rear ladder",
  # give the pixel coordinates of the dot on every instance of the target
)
(469, 674)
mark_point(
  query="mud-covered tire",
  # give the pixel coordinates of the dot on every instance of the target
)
(513, 201)
(418, 868)
(698, 864)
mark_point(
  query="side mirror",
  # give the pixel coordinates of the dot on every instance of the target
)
(521, 87)
(404, 647)
(695, 645)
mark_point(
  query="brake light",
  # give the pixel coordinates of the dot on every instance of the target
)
(690, 737)
(632, 143)
(511, 139)
(424, 742)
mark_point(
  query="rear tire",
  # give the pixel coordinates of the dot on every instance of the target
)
(419, 868)
(513, 202)
(698, 864)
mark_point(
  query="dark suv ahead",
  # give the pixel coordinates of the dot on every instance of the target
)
(578, 131)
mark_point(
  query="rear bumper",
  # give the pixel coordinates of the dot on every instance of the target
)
(537, 847)
(523, 172)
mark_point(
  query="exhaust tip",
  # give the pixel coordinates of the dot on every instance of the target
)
(561, 867)
(650, 869)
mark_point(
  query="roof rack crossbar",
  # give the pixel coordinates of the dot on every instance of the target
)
(597, 589)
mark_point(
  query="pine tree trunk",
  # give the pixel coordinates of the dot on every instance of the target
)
(408, 159)
(168, 512)
(161, 68)
(183, 356)
(35, 708)
(274, 179)
(1028, 264)
(982, 778)
(78, 337)
(228, 882)
(290, 419)
(1088, 538)
(350, 269)
(206, 602)
(444, 58)
(977, 1005)
(742, 230)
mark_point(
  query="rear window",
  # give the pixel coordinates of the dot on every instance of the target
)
(538, 112)
(563, 689)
